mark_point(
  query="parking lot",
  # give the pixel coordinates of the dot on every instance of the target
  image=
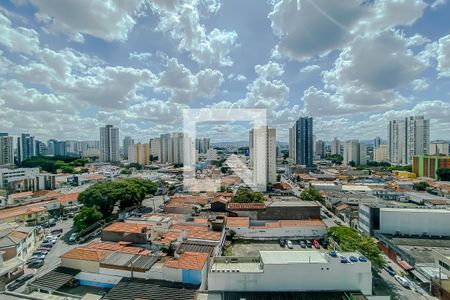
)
(252, 248)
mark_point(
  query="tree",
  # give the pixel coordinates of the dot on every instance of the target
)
(443, 174)
(335, 158)
(311, 194)
(278, 178)
(86, 218)
(420, 186)
(246, 196)
(351, 163)
(350, 240)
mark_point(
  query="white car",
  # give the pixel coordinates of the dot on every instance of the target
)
(403, 281)
(289, 244)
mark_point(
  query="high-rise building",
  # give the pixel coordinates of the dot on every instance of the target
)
(439, 148)
(40, 148)
(381, 153)
(320, 149)
(25, 147)
(139, 153)
(377, 142)
(6, 150)
(202, 145)
(356, 152)
(172, 148)
(335, 146)
(408, 137)
(109, 144)
(127, 141)
(263, 140)
(301, 141)
(155, 148)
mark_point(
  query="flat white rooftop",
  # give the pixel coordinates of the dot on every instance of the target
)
(292, 257)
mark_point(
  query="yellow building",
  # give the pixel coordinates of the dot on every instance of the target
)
(404, 175)
(139, 154)
(27, 214)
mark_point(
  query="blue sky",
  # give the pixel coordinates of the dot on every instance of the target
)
(68, 67)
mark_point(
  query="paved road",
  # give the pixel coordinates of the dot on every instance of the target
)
(153, 202)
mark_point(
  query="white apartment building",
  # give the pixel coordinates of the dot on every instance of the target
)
(6, 150)
(381, 153)
(438, 149)
(211, 154)
(356, 152)
(109, 144)
(25, 179)
(155, 148)
(173, 148)
(335, 146)
(139, 153)
(408, 137)
(264, 156)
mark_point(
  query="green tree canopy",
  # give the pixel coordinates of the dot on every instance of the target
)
(443, 174)
(65, 164)
(126, 192)
(311, 194)
(420, 186)
(246, 196)
(350, 240)
(335, 158)
(86, 218)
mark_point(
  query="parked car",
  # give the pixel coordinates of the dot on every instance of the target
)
(47, 245)
(316, 244)
(73, 238)
(64, 217)
(362, 259)
(390, 270)
(37, 252)
(344, 260)
(38, 256)
(43, 250)
(25, 278)
(324, 244)
(56, 232)
(282, 243)
(353, 259)
(52, 222)
(36, 264)
(289, 244)
(333, 254)
(71, 215)
(308, 244)
(15, 285)
(403, 281)
(302, 244)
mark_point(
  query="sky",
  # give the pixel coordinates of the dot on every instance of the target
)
(68, 67)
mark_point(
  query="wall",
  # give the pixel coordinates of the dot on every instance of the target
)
(297, 277)
(83, 265)
(96, 279)
(415, 221)
(136, 238)
(172, 274)
(276, 233)
(191, 276)
(289, 213)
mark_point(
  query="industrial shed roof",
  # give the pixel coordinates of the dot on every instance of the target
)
(125, 260)
(129, 288)
(55, 279)
(197, 247)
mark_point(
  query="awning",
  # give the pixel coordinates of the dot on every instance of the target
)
(405, 265)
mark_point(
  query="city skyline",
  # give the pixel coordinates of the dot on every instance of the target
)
(136, 67)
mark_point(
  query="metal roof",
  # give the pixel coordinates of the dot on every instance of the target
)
(197, 247)
(292, 257)
(284, 295)
(129, 288)
(126, 259)
(55, 279)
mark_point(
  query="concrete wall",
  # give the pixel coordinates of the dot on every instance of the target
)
(289, 213)
(297, 277)
(83, 265)
(96, 279)
(172, 274)
(276, 233)
(136, 238)
(415, 221)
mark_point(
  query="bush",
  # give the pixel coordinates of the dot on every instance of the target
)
(245, 196)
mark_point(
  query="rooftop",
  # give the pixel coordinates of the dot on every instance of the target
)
(238, 222)
(188, 246)
(143, 262)
(292, 257)
(189, 261)
(128, 227)
(245, 206)
(81, 253)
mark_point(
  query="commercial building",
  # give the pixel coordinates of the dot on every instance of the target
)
(320, 149)
(394, 220)
(25, 179)
(428, 165)
(6, 150)
(109, 144)
(262, 150)
(356, 152)
(25, 147)
(408, 137)
(290, 271)
(139, 153)
(127, 142)
(381, 153)
(301, 143)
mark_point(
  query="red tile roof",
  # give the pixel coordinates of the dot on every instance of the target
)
(63, 198)
(238, 222)
(188, 261)
(82, 253)
(127, 227)
(119, 247)
(245, 206)
(205, 235)
(189, 227)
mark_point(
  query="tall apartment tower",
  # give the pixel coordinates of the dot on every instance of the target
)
(301, 141)
(335, 146)
(377, 142)
(6, 150)
(320, 149)
(127, 141)
(109, 144)
(25, 147)
(356, 152)
(408, 137)
(139, 153)
(264, 156)
(202, 145)
(155, 148)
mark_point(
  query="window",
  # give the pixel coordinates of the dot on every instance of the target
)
(29, 216)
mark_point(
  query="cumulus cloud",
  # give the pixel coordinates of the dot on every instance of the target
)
(269, 70)
(310, 68)
(180, 19)
(420, 84)
(106, 19)
(17, 39)
(443, 56)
